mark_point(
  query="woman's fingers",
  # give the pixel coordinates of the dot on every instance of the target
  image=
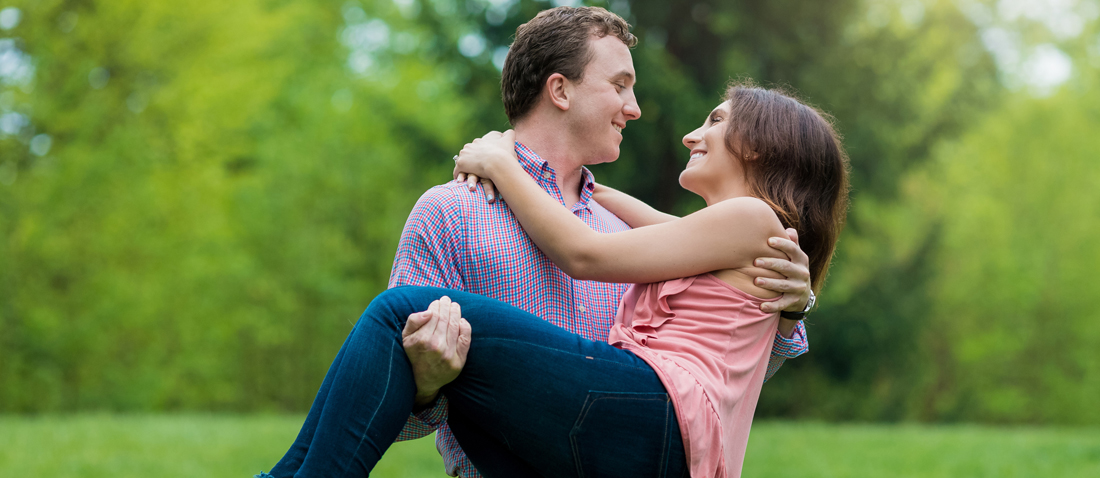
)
(490, 191)
(471, 181)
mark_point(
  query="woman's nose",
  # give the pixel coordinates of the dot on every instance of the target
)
(693, 138)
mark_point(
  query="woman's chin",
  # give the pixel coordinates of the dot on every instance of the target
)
(685, 181)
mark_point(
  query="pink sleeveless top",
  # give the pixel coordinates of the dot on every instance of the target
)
(709, 343)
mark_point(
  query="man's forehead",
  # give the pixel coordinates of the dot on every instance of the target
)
(613, 59)
(611, 45)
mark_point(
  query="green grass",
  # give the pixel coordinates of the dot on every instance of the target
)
(828, 451)
(164, 446)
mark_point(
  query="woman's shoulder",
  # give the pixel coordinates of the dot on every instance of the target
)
(749, 215)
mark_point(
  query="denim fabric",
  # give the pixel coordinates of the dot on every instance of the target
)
(532, 400)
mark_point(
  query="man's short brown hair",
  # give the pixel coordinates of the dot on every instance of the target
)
(555, 41)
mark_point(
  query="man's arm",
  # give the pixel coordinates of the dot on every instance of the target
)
(787, 347)
(428, 255)
(790, 340)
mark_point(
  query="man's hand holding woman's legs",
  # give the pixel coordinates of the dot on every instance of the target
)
(436, 342)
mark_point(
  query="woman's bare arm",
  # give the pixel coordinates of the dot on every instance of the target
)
(727, 235)
(631, 210)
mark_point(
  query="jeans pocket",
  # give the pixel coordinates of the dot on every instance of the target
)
(625, 434)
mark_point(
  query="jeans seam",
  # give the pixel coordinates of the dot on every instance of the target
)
(366, 430)
(589, 402)
(665, 441)
(573, 439)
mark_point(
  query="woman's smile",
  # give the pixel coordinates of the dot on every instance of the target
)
(695, 155)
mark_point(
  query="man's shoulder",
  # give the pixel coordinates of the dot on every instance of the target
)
(446, 193)
(444, 198)
(451, 202)
(456, 197)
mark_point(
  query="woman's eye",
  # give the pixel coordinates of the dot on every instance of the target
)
(715, 118)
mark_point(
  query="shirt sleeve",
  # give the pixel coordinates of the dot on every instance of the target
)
(785, 348)
(431, 243)
(429, 255)
(426, 421)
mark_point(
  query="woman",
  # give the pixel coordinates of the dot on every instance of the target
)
(674, 390)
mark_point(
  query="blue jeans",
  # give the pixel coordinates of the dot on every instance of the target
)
(532, 400)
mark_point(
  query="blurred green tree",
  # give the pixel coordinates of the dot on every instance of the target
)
(1013, 333)
(196, 202)
(222, 195)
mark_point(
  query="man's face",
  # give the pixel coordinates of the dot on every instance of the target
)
(604, 100)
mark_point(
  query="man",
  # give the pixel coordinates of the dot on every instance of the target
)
(568, 91)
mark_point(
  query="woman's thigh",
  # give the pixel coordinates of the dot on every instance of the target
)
(565, 405)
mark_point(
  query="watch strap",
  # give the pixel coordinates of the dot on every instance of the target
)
(792, 315)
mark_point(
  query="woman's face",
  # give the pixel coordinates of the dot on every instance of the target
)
(713, 171)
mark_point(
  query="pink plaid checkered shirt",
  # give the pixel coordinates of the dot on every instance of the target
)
(455, 239)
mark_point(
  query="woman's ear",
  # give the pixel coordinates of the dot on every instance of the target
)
(559, 88)
(746, 153)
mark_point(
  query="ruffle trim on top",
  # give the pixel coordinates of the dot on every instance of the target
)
(645, 321)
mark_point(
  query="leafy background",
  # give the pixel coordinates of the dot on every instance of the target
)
(197, 201)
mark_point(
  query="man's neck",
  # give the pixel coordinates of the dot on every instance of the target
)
(559, 153)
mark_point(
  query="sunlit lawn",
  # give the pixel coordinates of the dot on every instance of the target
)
(166, 446)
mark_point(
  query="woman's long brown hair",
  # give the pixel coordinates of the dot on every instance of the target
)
(794, 161)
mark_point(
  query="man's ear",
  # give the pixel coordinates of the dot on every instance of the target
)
(559, 89)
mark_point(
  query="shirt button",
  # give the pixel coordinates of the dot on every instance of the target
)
(581, 309)
(546, 174)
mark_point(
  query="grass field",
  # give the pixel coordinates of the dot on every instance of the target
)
(166, 446)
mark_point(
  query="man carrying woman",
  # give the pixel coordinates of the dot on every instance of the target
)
(569, 100)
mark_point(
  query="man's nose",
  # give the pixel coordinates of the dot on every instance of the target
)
(631, 109)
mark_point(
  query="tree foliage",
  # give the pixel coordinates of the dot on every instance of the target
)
(196, 203)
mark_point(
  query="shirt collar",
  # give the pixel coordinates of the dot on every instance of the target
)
(544, 176)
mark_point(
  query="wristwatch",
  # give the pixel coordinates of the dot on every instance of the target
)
(800, 315)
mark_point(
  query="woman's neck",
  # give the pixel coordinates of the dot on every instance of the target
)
(729, 192)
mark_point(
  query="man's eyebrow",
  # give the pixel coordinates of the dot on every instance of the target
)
(624, 74)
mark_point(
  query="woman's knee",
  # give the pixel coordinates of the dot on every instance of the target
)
(394, 306)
